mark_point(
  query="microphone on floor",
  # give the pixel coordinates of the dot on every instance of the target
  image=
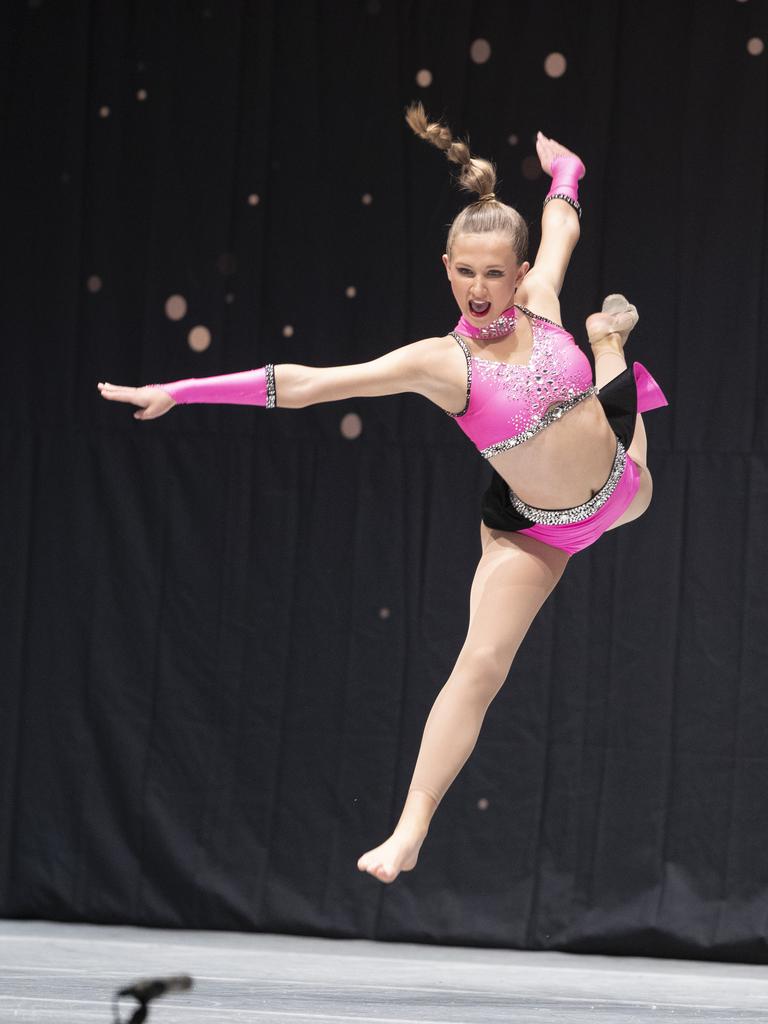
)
(147, 989)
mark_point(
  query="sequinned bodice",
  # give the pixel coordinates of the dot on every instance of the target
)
(508, 403)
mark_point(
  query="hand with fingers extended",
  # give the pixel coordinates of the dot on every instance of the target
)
(152, 401)
(551, 154)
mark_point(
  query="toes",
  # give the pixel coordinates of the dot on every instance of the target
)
(615, 303)
(368, 862)
(627, 320)
(383, 872)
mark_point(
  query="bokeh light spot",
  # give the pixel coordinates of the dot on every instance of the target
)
(351, 426)
(253, 199)
(480, 51)
(141, 95)
(424, 78)
(755, 46)
(175, 307)
(482, 804)
(104, 111)
(93, 284)
(531, 168)
(199, 338)
(229, 298)
(384, 613)
(513, 140)
(555, 65)
(351, 292)
(366, 199)
(288, 331)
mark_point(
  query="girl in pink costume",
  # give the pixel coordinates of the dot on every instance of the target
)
(568, 452)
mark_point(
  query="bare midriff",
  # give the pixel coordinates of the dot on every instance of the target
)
(564, 464)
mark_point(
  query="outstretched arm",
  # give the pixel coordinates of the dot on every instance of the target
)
(559, 220)
(402, 370)
(417, 368)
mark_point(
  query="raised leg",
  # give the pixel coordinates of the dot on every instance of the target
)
(513, 579)
(608, 332)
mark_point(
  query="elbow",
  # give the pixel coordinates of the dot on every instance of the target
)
(293, 386)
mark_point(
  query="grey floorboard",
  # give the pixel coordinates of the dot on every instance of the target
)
(66, 972)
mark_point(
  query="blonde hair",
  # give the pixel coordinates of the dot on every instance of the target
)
(477, 175)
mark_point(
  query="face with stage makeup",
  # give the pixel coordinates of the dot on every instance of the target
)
(485, 274)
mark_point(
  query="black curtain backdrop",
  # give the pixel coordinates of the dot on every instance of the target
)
(222, 630)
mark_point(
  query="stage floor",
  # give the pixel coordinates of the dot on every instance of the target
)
(67, 973)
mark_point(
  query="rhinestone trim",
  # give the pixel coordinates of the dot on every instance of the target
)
(468, 357)
(538, 424)
(269, 376)
(571, 202)
(565, 516)
(537, 316)
(498, 328)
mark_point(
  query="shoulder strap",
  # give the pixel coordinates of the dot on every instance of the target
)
(536, 316)
(468, 358)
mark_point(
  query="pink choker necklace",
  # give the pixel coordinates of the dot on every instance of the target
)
(498, 328)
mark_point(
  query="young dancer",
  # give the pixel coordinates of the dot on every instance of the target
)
(569, 454)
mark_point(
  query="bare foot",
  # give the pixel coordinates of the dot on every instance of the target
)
(617, 318)
(399, 853)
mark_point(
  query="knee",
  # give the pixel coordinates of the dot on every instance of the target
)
(484, 669)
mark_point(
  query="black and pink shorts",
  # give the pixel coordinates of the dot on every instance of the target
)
(573, 529)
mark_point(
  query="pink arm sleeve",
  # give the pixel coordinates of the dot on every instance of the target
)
(566, 172)
(248, 387)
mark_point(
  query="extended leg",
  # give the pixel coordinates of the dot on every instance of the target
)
(513, 579)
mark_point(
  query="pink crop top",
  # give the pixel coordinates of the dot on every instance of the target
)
(507, 403)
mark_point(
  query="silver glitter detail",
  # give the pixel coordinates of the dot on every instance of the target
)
(468, 357)
(571, 202)
(544, 382)
(538, 423)
(564, 516)
(499, 328)
(269, 373)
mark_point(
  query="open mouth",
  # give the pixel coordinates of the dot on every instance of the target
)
(479, 308)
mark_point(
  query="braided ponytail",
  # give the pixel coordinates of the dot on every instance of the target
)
(477, 175)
